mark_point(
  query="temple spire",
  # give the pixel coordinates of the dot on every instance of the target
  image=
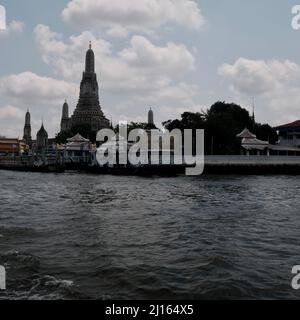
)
(90, 60)
(150, 117)
(88, 110)
(253, 109)
(27, 128)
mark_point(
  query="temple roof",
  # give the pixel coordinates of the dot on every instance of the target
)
(27, 118)
(65, 111)
(9, 140)
(78, 138)
(254, 141)
(246, 134)
(292, 125)
(42, 131)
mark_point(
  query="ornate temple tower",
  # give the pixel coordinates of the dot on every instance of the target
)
(150, 118)
(88, 110)
(42, 138)
(27, 129)
(65, 120)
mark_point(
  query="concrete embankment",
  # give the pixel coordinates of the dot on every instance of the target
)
(30, 165)
(251, 165)
(244, 165)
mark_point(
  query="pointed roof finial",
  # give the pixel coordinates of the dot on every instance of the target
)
(253, 108)
(90, 46)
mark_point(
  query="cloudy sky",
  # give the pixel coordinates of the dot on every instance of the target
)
(172, 55)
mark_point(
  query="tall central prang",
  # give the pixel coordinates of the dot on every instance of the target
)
(88, 111)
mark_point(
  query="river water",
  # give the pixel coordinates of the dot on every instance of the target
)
(81, 236)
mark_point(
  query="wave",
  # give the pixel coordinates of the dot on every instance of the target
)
(25, 282)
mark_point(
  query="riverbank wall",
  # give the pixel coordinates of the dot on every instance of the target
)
(243, 165)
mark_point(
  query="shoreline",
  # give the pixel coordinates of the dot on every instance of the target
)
(224, 165)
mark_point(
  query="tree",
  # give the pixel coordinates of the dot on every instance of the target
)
(188, 120)
(136, 125)
(265, 132)
(84, 130)
(62, 137)
(223, 122)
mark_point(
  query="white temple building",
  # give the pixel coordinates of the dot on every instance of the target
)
(78, 148)
(253, 146)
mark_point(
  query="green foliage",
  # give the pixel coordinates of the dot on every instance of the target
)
(136, 125)
(188, 120)
(84, 130)
(222, 122)
(265, 132)
(62, 137)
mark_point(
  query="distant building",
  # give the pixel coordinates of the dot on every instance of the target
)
(27, 130)
(250, 145)
(88, 110)
(42, 138)
(65, 120)
(150, 121)
(11, 146)
(150, 118)
(78, 149)
(289, 134)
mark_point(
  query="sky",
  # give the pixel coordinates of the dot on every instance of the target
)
(171, 55)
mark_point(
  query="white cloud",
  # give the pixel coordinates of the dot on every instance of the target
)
(172, 59)
(31, 88)
(141, 66)
(13, 27)
(130, 79)
(67, 59)
(137, 76)
(10, 119)
(8, 112)
(44, 96)
(275, 83)
(119, 17)
(259, 76)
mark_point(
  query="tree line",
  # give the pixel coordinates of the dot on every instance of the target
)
(221, 122)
